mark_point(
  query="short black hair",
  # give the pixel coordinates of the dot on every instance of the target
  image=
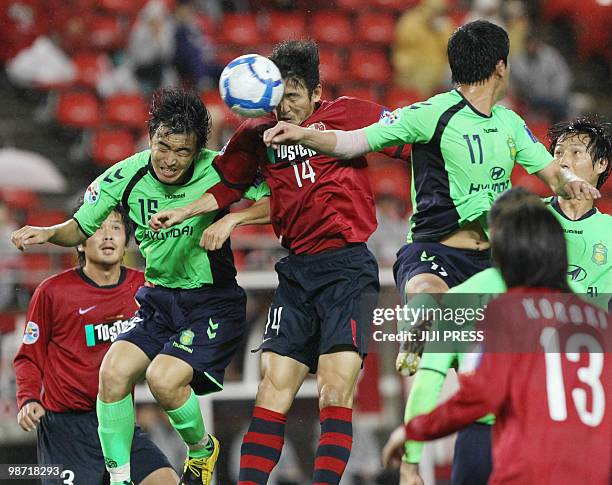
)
(127, 227)
(599, 132)
(180, 111)
(298, 60)
(508, 201)
(528, 247)
(474, 49)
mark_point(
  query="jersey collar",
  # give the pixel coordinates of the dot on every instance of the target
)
(555, 205)
(89, 281)
(472, 107)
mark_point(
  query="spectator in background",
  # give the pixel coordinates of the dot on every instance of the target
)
(22, 22)
(391, 231)
(489, 10)
(151, 44)
(194, 55)
(419, 51)
(542, 79)
(517, 26)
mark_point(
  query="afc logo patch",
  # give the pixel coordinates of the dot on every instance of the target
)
(92, 194)
(31, 333)
(388, 118)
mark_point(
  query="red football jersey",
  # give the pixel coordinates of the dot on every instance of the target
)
(317, 202)
(71, 323)
(553, 409)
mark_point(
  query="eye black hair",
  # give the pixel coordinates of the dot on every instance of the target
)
(180, 112)
(474, 49)
(298, 60)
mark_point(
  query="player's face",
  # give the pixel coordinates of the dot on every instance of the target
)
(172, 154)
(571, 153)
(107, 245)
(297, 104)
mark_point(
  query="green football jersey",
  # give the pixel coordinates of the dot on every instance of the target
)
(174, 258)
(461, 159)
(588, 241)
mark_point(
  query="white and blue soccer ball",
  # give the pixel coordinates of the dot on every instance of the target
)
(251, 85)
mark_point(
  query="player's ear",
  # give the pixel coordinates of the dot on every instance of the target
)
(600, 166)
(500, 69)
(316, 94)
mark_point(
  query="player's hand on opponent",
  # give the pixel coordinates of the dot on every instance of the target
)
(579, 190)
(167, 218)
(29, 415)
(394, 448)
(216, 234)
(283, 134)
(29, 235)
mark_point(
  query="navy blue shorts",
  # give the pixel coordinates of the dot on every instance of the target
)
(323, 304)
(453, 265)
(202, 327)
(472, 463)
(71, 440)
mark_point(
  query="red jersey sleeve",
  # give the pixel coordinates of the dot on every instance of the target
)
(30, 360)
(238, 161)
(361, 113)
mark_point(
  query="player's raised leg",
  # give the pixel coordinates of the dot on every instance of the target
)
(262, 445)
(169, 379)
(336, 378)
(123, 365)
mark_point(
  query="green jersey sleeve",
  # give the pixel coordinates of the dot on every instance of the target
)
(530, 153)
(258, 191)
(105, 193)
(411, 124)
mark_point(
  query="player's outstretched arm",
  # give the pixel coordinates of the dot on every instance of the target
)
(216, 234)
(566, 184)
(171, 217)
(336, 143)
(66, 234)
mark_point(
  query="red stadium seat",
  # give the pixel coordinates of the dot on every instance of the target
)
(398, 97)
(45, 217)
(282, 26)
(520, 178)
(375, 28)
(90, 67)
(106, 33)
(331, 66)
(215, 104)
(240, 29)
(122, 7)
(332, 27)
(126, 110)
(397, 5)
(19, 198)
(367, 92)
(78, 110)
(111, 146)
(369, 65)
(354, 5)
(391, 178)
(37, 267)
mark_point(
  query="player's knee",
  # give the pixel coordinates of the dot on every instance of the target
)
(335, 394)
(162, 381)
(114, 382)
(426, 283)
(271, 395)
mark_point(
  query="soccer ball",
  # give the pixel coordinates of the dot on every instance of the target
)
(251, 85)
